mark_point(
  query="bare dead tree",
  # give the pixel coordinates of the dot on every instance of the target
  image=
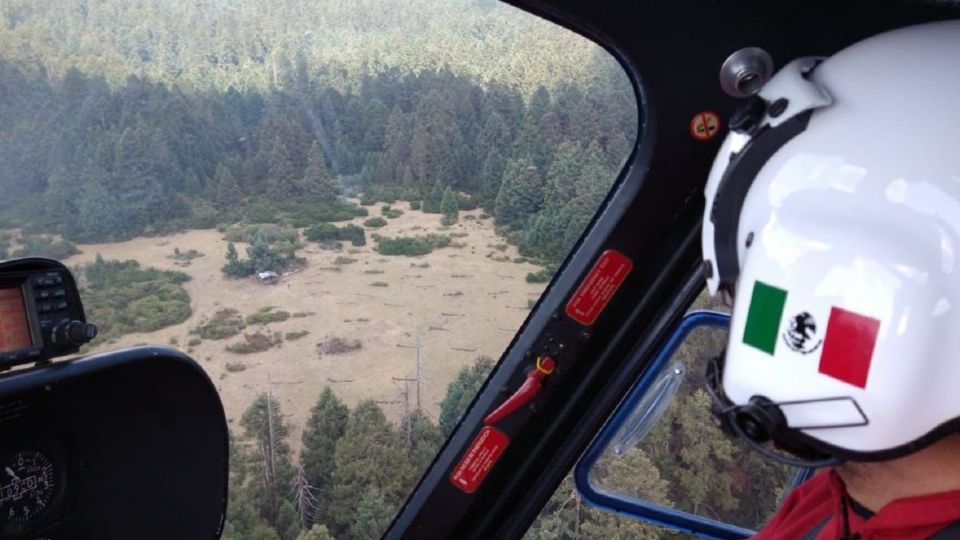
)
(304, 497)
(407, 428)
(419, 363)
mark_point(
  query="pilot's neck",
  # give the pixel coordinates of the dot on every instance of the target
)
(935, 469)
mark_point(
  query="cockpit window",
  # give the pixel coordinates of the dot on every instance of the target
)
(342, 210)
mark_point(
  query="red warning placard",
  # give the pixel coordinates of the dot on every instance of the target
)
(479, 459)
(601, 284)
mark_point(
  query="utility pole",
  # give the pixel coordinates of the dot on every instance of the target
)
(419, 365)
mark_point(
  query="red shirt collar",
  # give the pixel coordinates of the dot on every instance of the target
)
(906, 518)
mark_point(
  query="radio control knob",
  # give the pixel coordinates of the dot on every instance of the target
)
(74, 333)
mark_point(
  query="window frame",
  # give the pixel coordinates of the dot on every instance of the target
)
(658, 194)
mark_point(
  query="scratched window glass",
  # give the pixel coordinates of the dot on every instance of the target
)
(343, 210)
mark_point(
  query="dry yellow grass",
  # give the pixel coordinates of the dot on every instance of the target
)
(455, 328)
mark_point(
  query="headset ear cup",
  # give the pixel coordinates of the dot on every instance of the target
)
(761, 420)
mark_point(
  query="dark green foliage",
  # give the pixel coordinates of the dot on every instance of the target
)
(185, 256)
(235, 267)
(267, 317)
(422, 437)
(371, 516)
(338, 345)
(140, 157)
(273, 470)
(327, 423)
(292, 336)
(411, 246)
(228, 190)
(225, 322)
(44, 246)
(461, 391)
(521, 192)
(269, 232)
(256, 342)
(262, 256)
(317, 181)
(550, 236)
(540, 276)
(325, 232)
(325, 211)
(288, 523)
(449, 207)
(122, 297)
(317, 532)
(375, 222)
(371, 474)
(244, 521)
(414, 205)
(354, 234)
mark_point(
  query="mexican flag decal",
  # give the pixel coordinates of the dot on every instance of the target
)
(847, 346)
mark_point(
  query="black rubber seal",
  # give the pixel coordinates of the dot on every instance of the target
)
(734, 185)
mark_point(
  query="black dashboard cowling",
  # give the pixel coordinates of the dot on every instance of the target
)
(133, 442)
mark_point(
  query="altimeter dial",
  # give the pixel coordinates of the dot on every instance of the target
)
(27, 486)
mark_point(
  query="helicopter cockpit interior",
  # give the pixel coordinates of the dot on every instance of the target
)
(132, 440)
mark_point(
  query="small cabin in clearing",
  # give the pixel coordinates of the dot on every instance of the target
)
(268, 278)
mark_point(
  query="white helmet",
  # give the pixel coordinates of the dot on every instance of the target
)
(833, 219)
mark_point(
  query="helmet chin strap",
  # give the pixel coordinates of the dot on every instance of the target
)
(764, 450)
(758, 424)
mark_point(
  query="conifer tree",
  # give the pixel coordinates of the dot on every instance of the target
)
(288, 522)
(261, 257)
(460, 393)
(228, 190)
(371, 462)
(317, 532)
(317, 181)
(431, 203)
(491, 174)
(520, 192)
(327, 423)
(449, 207)
(424, 439)
(264, 426)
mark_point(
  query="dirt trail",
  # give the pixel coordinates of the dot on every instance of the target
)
(466, 303)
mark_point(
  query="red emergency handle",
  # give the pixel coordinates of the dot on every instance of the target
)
(527, 391)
